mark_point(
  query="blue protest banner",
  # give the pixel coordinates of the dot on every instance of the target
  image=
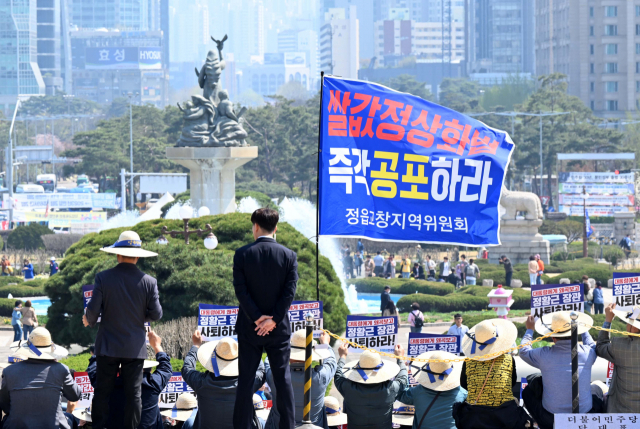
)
(395, 167)
(523, 383)
(87, 293)
(626, 290)
(552, 298)
(174, 388)
(217, 321)
(377, 333)
(296, 315)
(422, 343)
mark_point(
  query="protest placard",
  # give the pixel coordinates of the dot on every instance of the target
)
(297, 312)
(626, 290)
(552, 298)
(377, 333)
(609, 373)
(596, 421)
(174, 388)
(217, 321)
(422, 343)
(82, 380)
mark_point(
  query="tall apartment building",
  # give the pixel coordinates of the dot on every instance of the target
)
(20, 75)
(340, 43)
(49, 45)
(303, 42)
(596, 43)
(130, 15)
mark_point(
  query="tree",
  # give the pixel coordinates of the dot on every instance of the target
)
(28, 237)
(462, 95)
(293, 91)
(513, 90)
(408, 83)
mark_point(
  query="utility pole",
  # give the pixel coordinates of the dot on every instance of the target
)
(585, 249)
(131, 145)
(9, 171)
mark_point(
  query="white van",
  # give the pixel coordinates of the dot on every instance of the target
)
(25, 188)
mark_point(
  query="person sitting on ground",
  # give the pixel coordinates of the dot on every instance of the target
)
(216, 388)
(368, 266)
(624, 353)
(471, 273)
(321, 376)
(335, 417)
(369, 388)
(416, 318)
(437, 390)
(29, 319)
(489, 380)
(182, 412)
(417, 272)
(549, 392)
(152, 385)
(32, 390)
(261, 412)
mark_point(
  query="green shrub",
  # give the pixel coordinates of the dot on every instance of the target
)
(78, 362)
(599, 273)
(402, 286)
(613, 255)
(187, 275)
(27, 237)
(20, 291)
(7, 306)
(453, 302)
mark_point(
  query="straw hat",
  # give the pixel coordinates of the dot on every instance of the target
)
(601, 385)
(335, 416)
(150, 364)
(183, 408)
(39, 346)
(489, 336)
(130, 245)
(562, 320)
(371, 369)
(258, 405)
(438, 376)
(226, 357)
(299, 344)
(83, 414)
(403, 414)
(629, 317)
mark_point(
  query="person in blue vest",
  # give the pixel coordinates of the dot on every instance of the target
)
(53, 266)
(28, 270)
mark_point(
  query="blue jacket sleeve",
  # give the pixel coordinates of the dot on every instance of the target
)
(402, 379)
(339, 379)
(327, 370)
(94, 308)
(162, 374)
(528, 354)
(193, 378)
(154, 309)
(70, 390)
(288, 293)
(406, 396)
(242, 293)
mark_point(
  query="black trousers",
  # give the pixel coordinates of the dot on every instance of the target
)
(508, 277)
(278, 349)
(106, 373)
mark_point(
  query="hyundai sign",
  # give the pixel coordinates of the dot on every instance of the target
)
(147, 58)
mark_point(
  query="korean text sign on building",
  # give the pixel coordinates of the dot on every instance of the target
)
(626, 290)
(552, 298)
(377, 333)
(422, 343)
(396, 167)
(175, 387)
(82, 380)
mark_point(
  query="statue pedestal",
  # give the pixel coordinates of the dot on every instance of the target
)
(213, 174)
(520, 239)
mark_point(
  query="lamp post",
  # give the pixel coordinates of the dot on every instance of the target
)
(186, 213)
(585, 246)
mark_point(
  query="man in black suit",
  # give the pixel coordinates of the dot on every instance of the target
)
(265, 276)
(125, 298)
(385, 297)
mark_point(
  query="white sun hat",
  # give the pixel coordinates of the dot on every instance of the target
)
(220, 357)
(438, 376)
(562, 320)
(403, 414)
(629, 317)
(83, 414)
(299, 344)
(488, 337)
(335, 416)
(183, 408)
(53, 258)
(38, 346)
(258, 405)
(129, 245)
(371, 369)
(150, 364)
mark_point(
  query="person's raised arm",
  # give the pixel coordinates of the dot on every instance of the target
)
(402, 379)
(94, 308)
(339, 379)
(154, 309)
(163, 372)
(242, 293)
(193, 378)
(604, 347)
(328, 368)
(288, 293)
(528, 354)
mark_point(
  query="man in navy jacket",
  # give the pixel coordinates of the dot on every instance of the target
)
(265, 276)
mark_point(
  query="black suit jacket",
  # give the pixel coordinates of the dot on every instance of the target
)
(265, 276)
(384, 300)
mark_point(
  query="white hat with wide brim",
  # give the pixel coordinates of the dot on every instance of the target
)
(335, 416)
(504, 332)
(183, 408)
(437, 369)
(38, 346)
(629, 317)
(129, 245)
(258, 406)
(150, 364)
(83, 414)
(376, 369)
(226, 356)
(562, 320)
(299, 347)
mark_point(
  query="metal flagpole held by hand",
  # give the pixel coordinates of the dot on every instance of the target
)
(306, 415)
(575, 393)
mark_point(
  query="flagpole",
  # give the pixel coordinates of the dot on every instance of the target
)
(318, 193)
(585, 251)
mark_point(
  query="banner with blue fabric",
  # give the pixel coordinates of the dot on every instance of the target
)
(174, 388)
(395, 167)
(552, 298)
(626, 290)
(377, 333)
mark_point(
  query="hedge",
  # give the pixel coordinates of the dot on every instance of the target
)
(81, 362)
(402, 286)
(22, 291)
(7, 306)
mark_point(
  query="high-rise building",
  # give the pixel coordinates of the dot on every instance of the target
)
(500, 36)
(340, 43)
(303, 42)
(596, 44)
(49, 45)
(19, 74)
(131, 15)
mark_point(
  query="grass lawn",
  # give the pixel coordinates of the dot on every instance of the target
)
(433, 317)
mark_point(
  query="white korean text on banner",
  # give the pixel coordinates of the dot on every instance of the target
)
(174, 388)
(395, 167)
(82, 380)
(296, 316)
(419, 343)
(596, 421)
(626, 290)
(217, 321)
(377, 333)
(552, 298)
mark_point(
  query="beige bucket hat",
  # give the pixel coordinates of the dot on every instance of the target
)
(258, 405)
(403, 414)
(83, 414)
(438, 376)
(183, 408)
(299, 345)
(335, 416)
(38, 346)
(489, 336)
(150, 364)
(562, 320)
(129, 245)
(371, 369)
(225, 355)
(629, 317)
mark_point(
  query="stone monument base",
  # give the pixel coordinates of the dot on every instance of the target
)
(520, 239)
(213, 174)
